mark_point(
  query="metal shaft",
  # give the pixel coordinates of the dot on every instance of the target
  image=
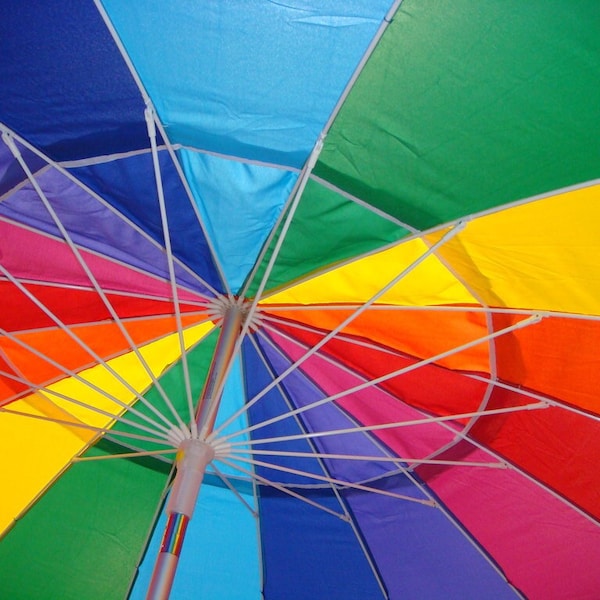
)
(192, 459)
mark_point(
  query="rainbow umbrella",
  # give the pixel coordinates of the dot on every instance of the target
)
(299, 299)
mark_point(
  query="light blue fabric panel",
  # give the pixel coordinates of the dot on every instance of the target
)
(239, 203)
(233, 398)
(220, 554)
(250, 78)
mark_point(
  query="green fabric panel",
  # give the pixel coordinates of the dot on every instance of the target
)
(326, 229)
(84, 538)
(468, 105)
(172, 381)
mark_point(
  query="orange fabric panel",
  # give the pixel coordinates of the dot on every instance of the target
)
(418, 333)
(558, 357)
(105, 339)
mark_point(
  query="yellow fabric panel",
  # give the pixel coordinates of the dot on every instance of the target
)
(35, 451)
(541, 255)
(429, 283)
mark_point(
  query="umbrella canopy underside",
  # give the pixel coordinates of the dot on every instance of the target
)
(401, 199)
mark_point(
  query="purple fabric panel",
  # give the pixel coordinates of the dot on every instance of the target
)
(406, 539)
(419, 552)
(90, 224)
(372, 405)
(303, 392)
(499, 507)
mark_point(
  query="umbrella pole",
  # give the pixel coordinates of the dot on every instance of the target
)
(193, 457)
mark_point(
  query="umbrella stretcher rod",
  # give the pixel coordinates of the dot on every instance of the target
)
(192, 459)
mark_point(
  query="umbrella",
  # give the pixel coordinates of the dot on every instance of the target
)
(299, 299)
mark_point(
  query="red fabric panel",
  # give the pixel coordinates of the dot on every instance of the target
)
(72, 306)
(556, 446)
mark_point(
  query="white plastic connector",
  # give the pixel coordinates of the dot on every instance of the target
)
(193, 457)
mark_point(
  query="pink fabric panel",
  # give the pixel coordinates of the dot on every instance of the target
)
(371, 406)
(28, 255)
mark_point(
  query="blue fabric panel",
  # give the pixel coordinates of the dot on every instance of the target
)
(11, 173)
(232, 400)
(272, 405)
(419, 552)
(261, 78)
(129, 185)
(240, 203)
(309, 554)
(65, 86)
(219, 558)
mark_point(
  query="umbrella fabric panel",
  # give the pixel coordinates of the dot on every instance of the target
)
(323, 232)
(431, 282)
(239, 203)
(308, 553)
(540, 255)
(208, 568)
(528, 531)
(96, 515)
(112, 234)
(129, 186)
(558, 358)
(56, 58)
(250, 94)
(462, 109)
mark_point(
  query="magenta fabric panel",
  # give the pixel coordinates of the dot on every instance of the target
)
(372, 405)
(498, 506)
(27, 255)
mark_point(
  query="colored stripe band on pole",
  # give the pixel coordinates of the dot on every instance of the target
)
(174, 533)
